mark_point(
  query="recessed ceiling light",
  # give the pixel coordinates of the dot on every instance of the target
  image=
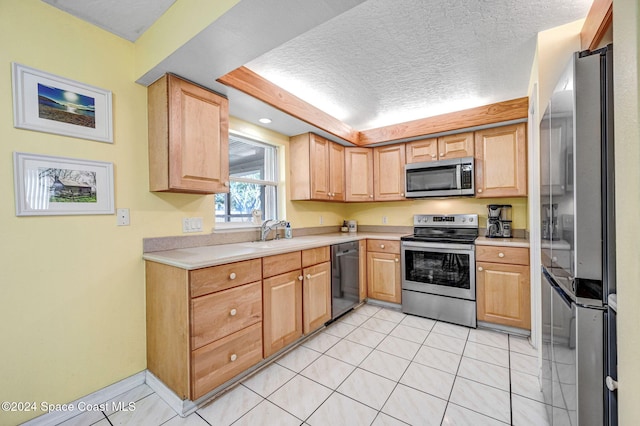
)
(265, 120)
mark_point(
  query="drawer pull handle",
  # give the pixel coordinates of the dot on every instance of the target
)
(233, 312)
(308, 276)
(480, 268)
(233, 357)
(232, 276)
(300, 278)
(382, 246)
(500, 254)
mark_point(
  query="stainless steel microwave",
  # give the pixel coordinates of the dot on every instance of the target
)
(442, 178)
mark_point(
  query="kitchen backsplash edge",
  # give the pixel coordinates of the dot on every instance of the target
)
(150, 245)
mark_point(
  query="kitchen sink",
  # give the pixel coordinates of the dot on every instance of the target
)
(276, 244)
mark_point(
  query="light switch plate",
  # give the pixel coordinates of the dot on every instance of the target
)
(123, 217)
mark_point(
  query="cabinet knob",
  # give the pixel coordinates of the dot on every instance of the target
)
(500, 254)
(554, 259)
(479, 190)
(308, 276)
(433, 156)
(442, 154)
(300, 278)
(370, 195)
(233, 357)
(402, 194)
(397, 260)
(381, 245)
(232, 276)
(233, 312)
(226, 183)
(480, 268)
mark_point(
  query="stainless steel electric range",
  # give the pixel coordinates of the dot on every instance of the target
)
(438, 268)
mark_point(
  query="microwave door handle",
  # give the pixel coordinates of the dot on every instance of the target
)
(459, 176)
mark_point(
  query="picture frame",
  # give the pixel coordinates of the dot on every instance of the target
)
(49, 103)
(46, 185)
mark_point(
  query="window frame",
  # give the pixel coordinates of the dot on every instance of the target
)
(272, 167)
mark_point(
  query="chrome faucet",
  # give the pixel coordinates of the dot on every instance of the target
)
(268, 226)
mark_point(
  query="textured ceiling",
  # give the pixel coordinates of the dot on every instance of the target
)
(390, 61)
(368, 63)
(125, 18)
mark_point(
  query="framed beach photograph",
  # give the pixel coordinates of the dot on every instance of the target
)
(46, 185)
(53, 104)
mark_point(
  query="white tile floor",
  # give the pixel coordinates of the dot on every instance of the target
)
(376, 366)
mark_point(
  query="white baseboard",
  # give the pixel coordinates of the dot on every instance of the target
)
(180, 406)
(99, 397)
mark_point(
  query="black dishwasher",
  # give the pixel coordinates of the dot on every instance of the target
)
(345, 274)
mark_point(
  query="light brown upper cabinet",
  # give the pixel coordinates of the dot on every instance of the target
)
(445, 147)
(188, 138)
(317, 168)
(388, 172)
(501, 161)
(359, 174)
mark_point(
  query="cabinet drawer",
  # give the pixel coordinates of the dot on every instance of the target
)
(315, 256)
(280, 263)
(383, 246)
(222, 277)
(214, 364)
(502, 254)
(219, 314)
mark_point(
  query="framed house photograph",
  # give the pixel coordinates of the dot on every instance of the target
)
(48, 103)
(46, 185)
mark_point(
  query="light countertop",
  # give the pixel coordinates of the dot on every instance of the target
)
(509, 242)
(202, 257)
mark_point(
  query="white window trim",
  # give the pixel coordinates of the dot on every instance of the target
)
(228, 227)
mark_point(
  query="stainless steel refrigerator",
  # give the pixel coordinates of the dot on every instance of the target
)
(578, 242)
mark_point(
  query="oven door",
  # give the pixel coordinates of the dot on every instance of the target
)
(439, 268)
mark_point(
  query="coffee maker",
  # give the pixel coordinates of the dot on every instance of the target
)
(499, 221)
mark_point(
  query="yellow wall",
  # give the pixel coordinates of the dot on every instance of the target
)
(626, 39)
(401, 213)
(72, 315)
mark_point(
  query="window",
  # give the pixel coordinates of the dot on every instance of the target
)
(253, 176)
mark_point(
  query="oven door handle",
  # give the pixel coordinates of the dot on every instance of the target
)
(441, 248)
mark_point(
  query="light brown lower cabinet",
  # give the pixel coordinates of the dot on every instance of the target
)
(503, 286)
(298, 301)
(316, 296)
(383, 270)
(282, 306)
(203, 326)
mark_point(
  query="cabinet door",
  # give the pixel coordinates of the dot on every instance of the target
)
(501, 161)
(422, 150)
(383, 270)
(316, 296)
(388, 172)
(503, 294)
(336, 172)
(319, 160)
(455, 146)
(362, 284)
(198, 139)
(282, 311)
(359, 174)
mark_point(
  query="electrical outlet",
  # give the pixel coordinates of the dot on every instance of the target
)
(123, 217)
(384, 220)
(321, 220)
(191, 224)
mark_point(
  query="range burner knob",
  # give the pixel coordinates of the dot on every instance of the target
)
(464, 219)
(470, 219)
